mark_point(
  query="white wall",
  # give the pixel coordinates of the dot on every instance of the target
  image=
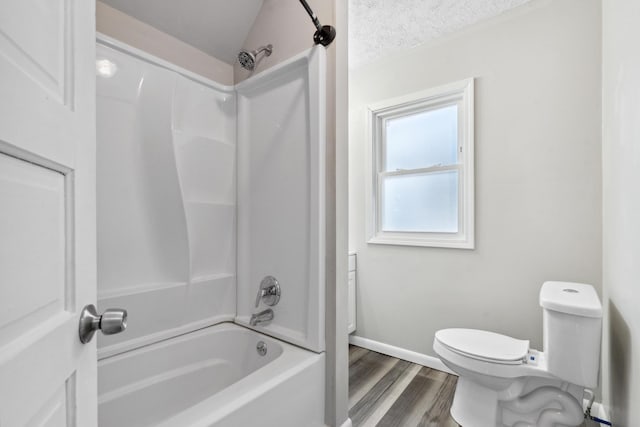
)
(538, 177)
(129, 30)
(621, 194)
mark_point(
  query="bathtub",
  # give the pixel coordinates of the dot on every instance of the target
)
(213, 377)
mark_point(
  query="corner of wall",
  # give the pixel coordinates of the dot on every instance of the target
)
(621, 207)
(285, 25)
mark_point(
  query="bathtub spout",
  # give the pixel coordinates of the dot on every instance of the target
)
(262, 317)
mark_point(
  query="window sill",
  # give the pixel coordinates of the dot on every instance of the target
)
(431, 242)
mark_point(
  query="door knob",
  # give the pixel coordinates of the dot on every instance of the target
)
(112, 321)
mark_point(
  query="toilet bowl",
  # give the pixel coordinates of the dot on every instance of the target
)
(505, 383)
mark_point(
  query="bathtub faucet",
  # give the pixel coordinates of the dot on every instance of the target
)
(263, 316)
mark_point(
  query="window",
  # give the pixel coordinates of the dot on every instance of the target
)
(421, 162)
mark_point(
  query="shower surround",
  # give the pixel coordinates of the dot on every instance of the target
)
(203, 190)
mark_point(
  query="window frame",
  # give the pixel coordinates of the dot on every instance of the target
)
(460, 93)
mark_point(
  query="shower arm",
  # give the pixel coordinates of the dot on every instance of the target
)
(325, 33)
(267, 48)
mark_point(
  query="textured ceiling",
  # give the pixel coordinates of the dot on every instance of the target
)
(380, 27)
(217, 27)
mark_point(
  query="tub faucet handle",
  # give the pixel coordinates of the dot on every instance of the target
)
(269, 291)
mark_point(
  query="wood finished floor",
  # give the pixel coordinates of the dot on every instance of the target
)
(388, 392)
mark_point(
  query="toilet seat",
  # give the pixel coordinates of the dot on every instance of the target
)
(484, 345)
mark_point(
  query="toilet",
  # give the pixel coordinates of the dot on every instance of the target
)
(505, 383)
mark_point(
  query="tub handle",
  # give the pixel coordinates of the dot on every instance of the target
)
(269, 291)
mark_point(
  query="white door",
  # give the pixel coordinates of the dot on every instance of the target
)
(47, 211)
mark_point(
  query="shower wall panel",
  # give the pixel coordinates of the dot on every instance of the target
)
(166, 199)
(281, 151)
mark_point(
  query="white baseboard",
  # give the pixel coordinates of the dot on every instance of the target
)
(347, 423)
(400, 353)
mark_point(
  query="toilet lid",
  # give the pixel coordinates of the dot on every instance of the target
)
(484, 345)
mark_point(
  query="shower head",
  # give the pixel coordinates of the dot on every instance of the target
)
(248, 59)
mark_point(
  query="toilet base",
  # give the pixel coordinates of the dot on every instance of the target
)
(475, 405)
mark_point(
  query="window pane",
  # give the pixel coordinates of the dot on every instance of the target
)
(422, 140)
(426, 203)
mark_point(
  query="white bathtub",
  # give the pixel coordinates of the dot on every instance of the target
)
(213, 377)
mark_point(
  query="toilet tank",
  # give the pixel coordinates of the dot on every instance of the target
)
(572, 327)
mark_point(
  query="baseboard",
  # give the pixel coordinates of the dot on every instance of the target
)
(347, 423)
(400, 353)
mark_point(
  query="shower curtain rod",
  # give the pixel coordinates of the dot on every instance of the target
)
(325, 33)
